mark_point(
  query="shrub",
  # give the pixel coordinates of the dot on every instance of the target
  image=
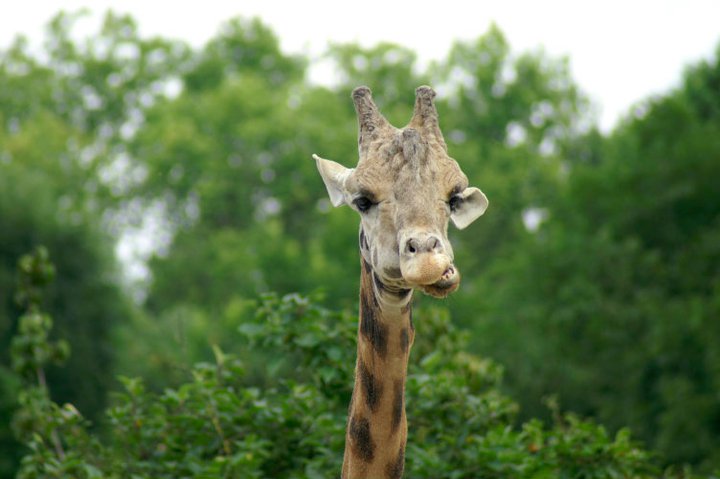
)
(220, 423)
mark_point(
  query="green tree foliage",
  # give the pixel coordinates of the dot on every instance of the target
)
(86, 301)
(614, 302)
(217, 426)
(50, 193)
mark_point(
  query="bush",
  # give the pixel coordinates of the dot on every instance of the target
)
(291, 425)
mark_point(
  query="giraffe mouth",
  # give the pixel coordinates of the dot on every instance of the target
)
(448, 282)
(433, 273)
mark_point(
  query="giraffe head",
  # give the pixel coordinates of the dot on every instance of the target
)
(406, 189)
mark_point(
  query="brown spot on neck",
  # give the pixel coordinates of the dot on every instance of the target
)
(371, 387)
(398, 406)
(360, 440)
(395, 468)
(372, 329)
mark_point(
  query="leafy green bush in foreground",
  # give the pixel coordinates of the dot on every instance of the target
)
(291, 423)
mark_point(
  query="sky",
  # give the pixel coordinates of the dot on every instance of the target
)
(620, 51)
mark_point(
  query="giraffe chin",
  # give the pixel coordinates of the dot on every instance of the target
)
(448, 283)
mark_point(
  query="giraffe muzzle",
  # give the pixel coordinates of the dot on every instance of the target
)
(425, 263)
(429, 269)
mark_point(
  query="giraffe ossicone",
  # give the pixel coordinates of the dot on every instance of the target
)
(406, 189)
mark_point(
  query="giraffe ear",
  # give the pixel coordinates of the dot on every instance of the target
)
(334, 176)
(472, 205)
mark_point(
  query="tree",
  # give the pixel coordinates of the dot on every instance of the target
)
(50, 194)
(86, 302)
(613, 302)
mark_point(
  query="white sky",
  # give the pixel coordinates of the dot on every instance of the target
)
(621, 51)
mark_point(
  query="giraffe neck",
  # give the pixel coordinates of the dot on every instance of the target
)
(377, 427)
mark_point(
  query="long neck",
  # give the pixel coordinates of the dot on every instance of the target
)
(377, 427)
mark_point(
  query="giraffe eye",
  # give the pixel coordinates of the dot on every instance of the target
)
(363, 204)
(455, 202)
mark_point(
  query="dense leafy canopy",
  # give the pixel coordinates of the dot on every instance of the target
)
(593, 278)
(618, 291)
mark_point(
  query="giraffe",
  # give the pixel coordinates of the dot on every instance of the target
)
(406, 189)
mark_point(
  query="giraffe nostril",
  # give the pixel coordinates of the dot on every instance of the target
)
(411, 246)
(433, 243)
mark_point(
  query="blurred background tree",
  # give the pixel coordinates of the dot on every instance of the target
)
(613, 303)
(593, 277)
